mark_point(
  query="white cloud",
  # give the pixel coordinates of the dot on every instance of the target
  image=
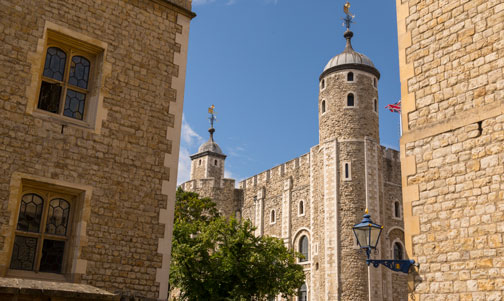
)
(190, 141)
(189, 136)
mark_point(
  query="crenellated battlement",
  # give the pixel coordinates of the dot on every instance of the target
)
(192, 185)
(277, 172)
(390, 153)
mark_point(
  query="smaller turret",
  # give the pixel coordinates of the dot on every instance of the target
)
(208, 162)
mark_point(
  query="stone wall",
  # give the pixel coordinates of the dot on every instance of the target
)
(125, 162)
(451, 60)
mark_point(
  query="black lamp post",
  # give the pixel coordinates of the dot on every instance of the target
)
(368, 234)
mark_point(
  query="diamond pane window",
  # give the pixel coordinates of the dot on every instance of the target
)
(30, 213)
(79, 72)
(55, 63)
(57, 217)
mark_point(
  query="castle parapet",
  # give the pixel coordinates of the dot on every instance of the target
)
(278, 171)
(192, 185)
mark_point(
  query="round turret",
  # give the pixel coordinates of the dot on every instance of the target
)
(348, 99)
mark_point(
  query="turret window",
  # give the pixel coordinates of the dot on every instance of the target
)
(375, 104)
(215, 162)
(323, 109)
(322, 84)
(375, 83)
(350, 76)
(350, 100)
(272, 217)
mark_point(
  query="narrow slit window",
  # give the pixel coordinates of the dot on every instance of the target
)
(397, 209)
(350, 100)
(375, 104)
(272, 217)
(301, 208)
(375, 82)
(322, 84)
(323, 107)
(215, 162)
(347, 171)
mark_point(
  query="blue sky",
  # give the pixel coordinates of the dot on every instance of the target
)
(258, 62)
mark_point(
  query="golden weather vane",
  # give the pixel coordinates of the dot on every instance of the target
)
(212, 118)
(349, 17)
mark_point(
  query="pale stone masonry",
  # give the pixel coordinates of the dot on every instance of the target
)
(452, 149)
(320, 195)
(89, 157)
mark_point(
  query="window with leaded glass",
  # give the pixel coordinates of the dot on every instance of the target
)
(42, 233)
(64, 88)
(303, 248)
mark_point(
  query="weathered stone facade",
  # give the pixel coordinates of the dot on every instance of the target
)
(321, 195)
(118, 165)
(452, 149)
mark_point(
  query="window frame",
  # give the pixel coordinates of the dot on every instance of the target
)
(348, 75)
(301, 205)
(354, 100)
(273, 217)
(70, 52)
(394, 210)
(299, 243)
(47, 196)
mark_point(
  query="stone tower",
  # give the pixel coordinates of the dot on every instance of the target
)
(349, 142)
(208, 162)
(207, 177)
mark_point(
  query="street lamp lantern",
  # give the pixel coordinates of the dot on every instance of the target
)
(367, 234)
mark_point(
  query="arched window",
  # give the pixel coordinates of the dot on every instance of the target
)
(350, 100)
(322, 84)
(350, 76)
(397, 209)
(303, 248)
(301, 208)
(303, 293)
(323, 106)
(375, 103)
(398, 251)
(272, 217)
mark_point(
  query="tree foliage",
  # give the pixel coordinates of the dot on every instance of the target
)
(218, 258)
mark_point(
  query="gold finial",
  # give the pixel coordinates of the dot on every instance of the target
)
(366, 211)
(211, 109)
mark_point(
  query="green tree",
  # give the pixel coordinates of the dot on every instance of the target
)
(218, 258)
